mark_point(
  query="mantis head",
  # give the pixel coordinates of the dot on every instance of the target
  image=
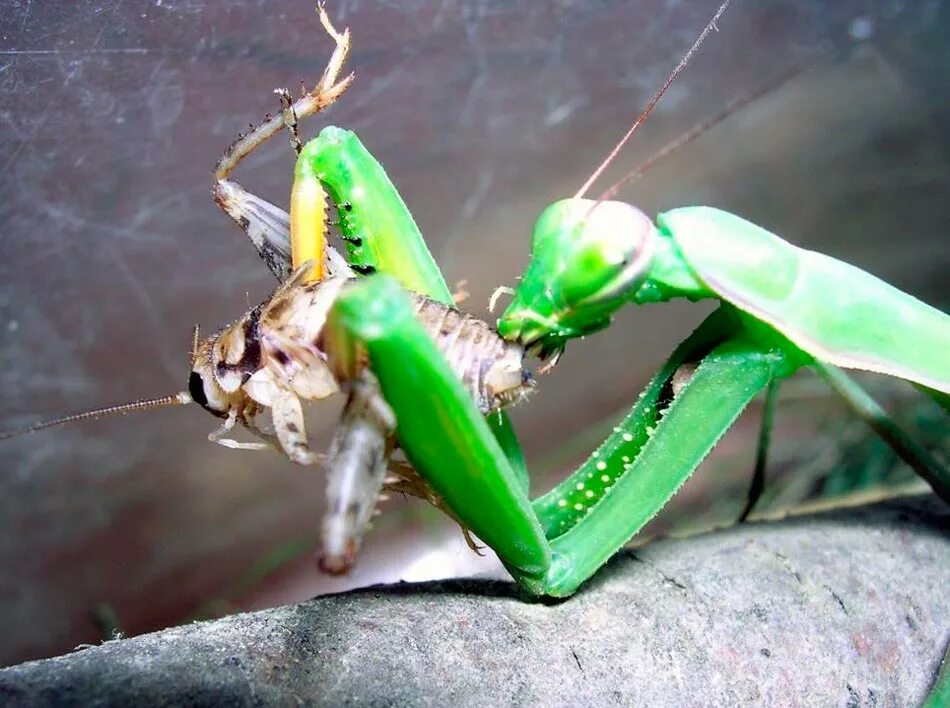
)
(587, 259)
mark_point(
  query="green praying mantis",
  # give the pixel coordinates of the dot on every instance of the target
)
(588, 259)
(782, 308)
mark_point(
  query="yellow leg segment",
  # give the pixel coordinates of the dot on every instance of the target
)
(308, 225)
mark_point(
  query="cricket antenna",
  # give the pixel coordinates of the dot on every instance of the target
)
(653, 101)
(176, 399)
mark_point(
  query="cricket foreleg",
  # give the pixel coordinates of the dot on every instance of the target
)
(356, 469)
(287, 413)
(217, 436)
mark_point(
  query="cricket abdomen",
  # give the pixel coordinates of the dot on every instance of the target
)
(490, 368)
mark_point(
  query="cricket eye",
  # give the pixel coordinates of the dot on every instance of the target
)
(196, 387)
(207, 394)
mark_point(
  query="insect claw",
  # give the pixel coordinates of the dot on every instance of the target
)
(470, 542)
(499, 291)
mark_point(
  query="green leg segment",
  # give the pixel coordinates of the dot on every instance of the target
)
(662, 455)
(444, 436)
(915, 455)
(449, 443)
(762, 450)
(564, 506)
(380, 233)
(939, 696)
(504, 432)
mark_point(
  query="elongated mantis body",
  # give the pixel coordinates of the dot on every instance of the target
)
(586, 265)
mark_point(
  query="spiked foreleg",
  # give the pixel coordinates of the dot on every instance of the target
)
(377, 228)
(379, 231)
(437, 424)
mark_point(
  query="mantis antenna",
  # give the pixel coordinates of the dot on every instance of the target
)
(701, 127)
(653, 101)
(678, 142)
(176, 399)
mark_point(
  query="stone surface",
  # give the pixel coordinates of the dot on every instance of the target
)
(844, 608)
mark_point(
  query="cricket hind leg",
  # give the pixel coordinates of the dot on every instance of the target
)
(357, 463)
(358, 466)
(266, 225)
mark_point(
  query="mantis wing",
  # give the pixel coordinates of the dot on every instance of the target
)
(829, 309)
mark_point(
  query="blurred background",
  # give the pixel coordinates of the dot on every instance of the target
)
(112, 115)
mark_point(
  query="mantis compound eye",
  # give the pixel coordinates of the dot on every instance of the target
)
(602, 253)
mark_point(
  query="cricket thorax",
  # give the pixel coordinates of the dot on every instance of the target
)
(273, 350)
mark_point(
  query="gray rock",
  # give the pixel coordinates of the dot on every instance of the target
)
(847, 608)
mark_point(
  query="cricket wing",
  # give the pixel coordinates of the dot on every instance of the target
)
(268, 228)
(831, 310)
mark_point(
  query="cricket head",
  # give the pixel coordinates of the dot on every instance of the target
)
(507, 380)
(204, 388)
(221, 364)
(587, 259)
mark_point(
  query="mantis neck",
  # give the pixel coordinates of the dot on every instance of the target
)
(669, 276)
